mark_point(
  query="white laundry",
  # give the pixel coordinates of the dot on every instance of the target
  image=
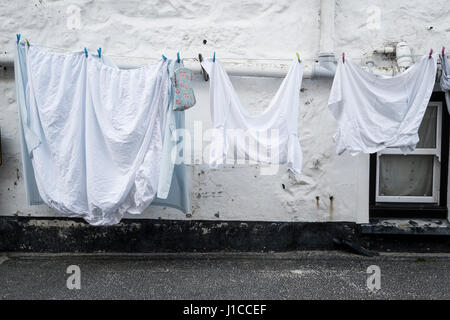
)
(271, 137)
(376, 112)
(100, 135)
(445, 79)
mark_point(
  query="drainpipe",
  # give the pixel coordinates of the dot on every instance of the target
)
(404, 56)
(401, 52)
(384, 50)
(326, 66)
(233, 69)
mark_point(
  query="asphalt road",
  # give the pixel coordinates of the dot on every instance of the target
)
(305, 275)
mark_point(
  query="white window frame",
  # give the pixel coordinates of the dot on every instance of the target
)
(436, 166)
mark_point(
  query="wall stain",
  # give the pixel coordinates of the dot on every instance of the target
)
(331, 207)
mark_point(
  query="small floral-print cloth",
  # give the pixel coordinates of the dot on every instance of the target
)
(183, 94)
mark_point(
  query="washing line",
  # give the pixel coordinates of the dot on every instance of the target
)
(234, 66)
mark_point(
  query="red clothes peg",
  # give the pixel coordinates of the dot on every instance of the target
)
(343, 57)
(443, 51)
(431, 53)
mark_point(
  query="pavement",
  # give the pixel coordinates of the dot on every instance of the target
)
(211, 276)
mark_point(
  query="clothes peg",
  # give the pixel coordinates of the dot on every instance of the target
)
(164, 57)
(214, 57)
(298, 57)
(85, 52)
(443, 51)
(18, 37)
(178, 57)
(99, 50)
(27, 42)
(204, 73)
(431, 53)
(343, 57)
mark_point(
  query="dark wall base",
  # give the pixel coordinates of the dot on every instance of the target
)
(19, 234)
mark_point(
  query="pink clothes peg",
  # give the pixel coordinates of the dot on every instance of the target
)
(443, 51)
(431, 53)
(343, 57)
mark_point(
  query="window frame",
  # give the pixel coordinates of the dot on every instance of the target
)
(411, 210)
(434, 198)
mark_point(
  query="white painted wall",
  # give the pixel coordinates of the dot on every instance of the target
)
(234, 29)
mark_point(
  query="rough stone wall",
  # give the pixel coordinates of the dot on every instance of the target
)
(332, 188)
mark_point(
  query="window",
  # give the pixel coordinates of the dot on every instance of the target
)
(415, 177)
(414, 185)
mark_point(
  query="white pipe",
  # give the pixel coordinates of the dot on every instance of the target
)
(270, 71)
(233, 69)
(326, 67)
(384, 50)
(237, 69)
(240, 70)
(327, 13)
(404, 56)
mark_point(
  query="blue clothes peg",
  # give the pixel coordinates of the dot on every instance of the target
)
(164, 57)
(85, 52)
(214, 57)
(99, 50)
(178, 57)
(18, 37)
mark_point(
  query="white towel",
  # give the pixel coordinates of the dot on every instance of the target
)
(100, 134)
(376, 112)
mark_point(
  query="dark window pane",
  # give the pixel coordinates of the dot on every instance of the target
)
(427, 130)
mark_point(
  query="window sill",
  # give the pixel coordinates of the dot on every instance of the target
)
(407, 210)
(407, 227)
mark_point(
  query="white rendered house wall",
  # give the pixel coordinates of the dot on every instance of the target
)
(245, 31)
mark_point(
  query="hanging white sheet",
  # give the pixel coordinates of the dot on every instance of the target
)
(100, 135)
(271, 137)
(376, 112)
(445, 79)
